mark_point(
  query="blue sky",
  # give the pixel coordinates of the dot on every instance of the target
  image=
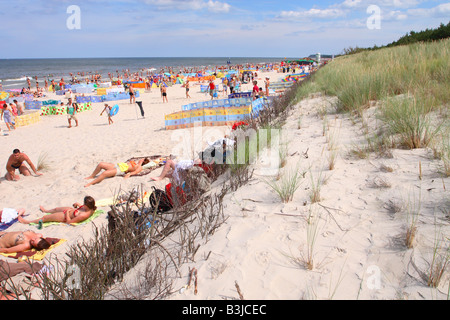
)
(202, 28)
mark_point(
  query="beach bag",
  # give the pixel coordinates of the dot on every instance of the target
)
(176, 195)
(159, 202)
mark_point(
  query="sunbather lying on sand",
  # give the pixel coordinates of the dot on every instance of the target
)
(22, 241)
(75, 214)
(125, 169)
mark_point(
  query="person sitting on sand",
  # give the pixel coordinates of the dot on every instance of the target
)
(20, 241)
(15, 161)
(75, 214)
(125, 169)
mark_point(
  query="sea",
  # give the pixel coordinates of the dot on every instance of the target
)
(14, 72)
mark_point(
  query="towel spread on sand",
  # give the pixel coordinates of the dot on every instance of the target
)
(119, 200)
(33, 253)
(8, 215)
(4, 226)
(94, 215)
(155, 163)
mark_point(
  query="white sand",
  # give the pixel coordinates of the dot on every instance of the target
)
(359, 251)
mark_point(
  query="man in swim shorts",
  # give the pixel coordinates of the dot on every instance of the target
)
(15, 161)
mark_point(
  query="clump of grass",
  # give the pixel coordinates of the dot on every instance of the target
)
(316, 186)
(440, 260)
(42, 163)
(412, 208)
(410, 121)
(312, 231)
(288, 183)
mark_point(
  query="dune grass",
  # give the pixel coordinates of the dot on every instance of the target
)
(288, 183)
(418, 71)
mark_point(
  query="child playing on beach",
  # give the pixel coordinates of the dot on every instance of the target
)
(7, 116)
(75, 214)
(108, 113)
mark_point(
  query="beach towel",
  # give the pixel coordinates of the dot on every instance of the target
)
(155, 162)
(94, 215)
(33, 253)
(120, 200)
(4, 226)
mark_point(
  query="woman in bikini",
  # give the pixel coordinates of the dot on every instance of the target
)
(125, 169)
(75, 214)
(21, 241)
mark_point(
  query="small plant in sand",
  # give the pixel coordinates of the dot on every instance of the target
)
(316, 186)
(332, 138)
(412, 209)
(42, 163)
(312, 231)
(299, 123)
(444, 153)
(440, 259)
(288, 183)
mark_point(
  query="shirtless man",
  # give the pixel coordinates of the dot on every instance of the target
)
(21, 241)
(15, 161)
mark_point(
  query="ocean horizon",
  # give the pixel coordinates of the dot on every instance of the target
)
(14, 72)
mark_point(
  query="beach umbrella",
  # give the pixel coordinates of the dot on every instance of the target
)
(167, 74)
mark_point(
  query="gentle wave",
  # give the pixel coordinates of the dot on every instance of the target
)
(19, 79)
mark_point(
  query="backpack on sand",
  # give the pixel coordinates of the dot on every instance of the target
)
(159, 202)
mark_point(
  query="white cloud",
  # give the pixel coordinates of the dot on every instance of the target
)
(442, 10)
(311, 13)
(191, 5)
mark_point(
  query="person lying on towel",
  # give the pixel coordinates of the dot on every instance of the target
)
(125, 169)
(22, 241)
(75, 214)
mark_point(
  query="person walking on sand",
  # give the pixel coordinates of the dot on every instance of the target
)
(72, 109)
(164, 93)
(187, 90)
(75, 214)
(15, 161)
(267, 84)
(108, 113)
(212, 88)
(132, 95)
(7, 116)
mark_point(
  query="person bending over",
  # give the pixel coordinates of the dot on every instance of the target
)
(15, 161)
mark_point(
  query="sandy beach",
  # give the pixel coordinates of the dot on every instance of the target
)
(358, 251)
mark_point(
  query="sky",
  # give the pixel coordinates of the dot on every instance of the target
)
(207, 28)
